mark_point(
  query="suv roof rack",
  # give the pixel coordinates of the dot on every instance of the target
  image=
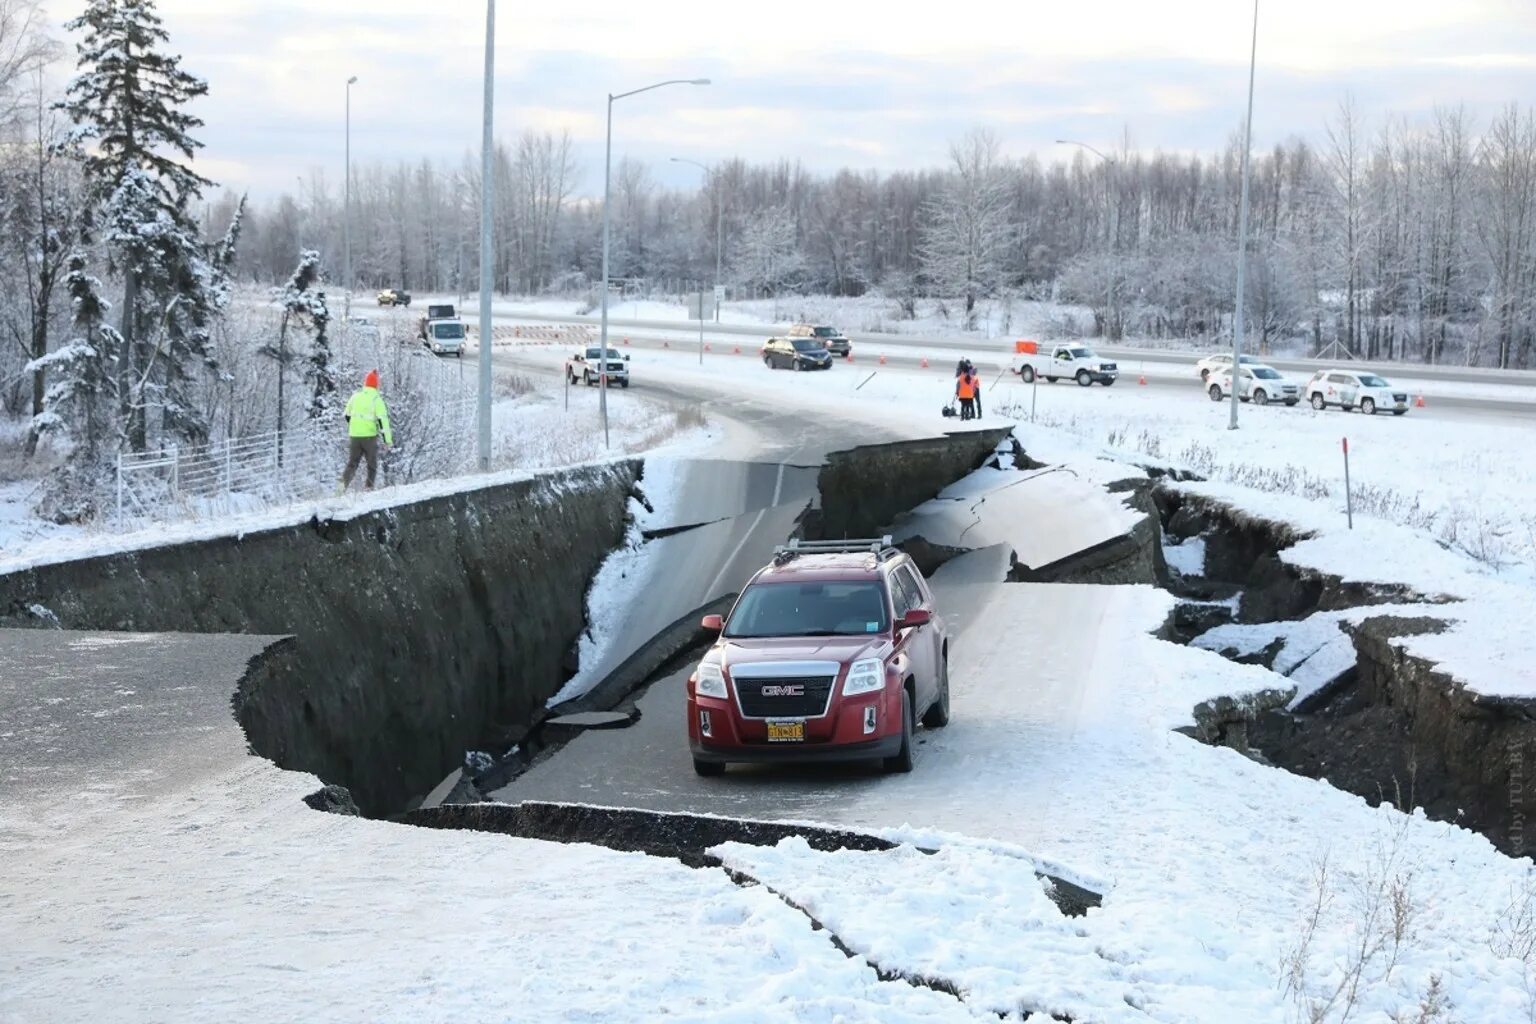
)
(880, 547)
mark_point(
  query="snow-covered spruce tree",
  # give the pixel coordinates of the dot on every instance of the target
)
(130, 99)
(304, 305)
(82, 401)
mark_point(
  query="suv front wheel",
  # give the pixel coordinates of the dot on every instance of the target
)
(901, 761)
(937, 715)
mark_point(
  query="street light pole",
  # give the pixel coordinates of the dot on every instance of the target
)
(1111, 181)
(346, 215)
(602, 348)
(1238, 326)
(487, 265)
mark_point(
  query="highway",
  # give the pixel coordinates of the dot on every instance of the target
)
(954, 347)
(1167, 373)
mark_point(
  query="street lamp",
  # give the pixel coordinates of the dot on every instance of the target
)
(346, 215)
(1112, 181)
(719, 230)
(1238, 325)
(483, 406)
(602, 354)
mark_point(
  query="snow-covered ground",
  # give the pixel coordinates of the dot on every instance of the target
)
(237, 903)
(545, 426)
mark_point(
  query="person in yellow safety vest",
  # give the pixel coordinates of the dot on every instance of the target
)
(366, 417)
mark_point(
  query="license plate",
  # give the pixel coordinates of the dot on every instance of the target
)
(787, 731)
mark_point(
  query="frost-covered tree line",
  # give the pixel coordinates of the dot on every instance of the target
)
(1388, 237)
(115, 299)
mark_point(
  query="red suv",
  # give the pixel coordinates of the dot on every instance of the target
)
(831, 653)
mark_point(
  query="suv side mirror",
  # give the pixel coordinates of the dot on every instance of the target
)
(914, 618)
(626, 358)
(713, 623)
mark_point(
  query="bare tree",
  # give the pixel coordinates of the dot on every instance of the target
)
(970, 226)
(1508, 159)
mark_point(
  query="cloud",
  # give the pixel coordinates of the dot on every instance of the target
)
(824, 85)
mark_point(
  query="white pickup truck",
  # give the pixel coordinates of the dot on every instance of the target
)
(1054, 362)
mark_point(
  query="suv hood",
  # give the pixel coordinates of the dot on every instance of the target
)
(842, 649)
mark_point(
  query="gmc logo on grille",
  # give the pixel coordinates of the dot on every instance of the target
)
(784, 691)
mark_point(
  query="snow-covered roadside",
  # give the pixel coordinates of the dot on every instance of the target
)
(533, 432)
(238, 903)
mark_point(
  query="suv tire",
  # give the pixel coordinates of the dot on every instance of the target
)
(1028, 374)
(1318, 401)
(937, 715)
(901, 761)
(1368, 406)
(1261, 397)
(708, 769)
(1215, 392)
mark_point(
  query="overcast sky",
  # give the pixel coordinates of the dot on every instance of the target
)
(830, 83)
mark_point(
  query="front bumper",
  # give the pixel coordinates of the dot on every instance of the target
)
(839, 735)
(781, 753)
(1104, 376)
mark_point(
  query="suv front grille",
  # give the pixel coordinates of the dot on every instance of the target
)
(786, 697)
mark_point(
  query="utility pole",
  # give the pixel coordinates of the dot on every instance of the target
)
(1238, 326)
(346, 214)
(486, 256)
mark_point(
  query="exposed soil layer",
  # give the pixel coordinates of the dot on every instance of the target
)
(1396, 729)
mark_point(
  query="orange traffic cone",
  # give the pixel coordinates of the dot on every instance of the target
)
(1419, 403)
(850, 357)
(882, 358)
(736, 351)
(1143, 380)
(706, 346)
(925, 362)
(626, 341)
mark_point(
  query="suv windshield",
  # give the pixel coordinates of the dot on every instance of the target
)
(825, 332)
(447, 330)
(807, 345)
(1370, 380)
(809, 609)
(1265, 373)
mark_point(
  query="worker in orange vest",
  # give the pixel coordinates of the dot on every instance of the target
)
(965, 390)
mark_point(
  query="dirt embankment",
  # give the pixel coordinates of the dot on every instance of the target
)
(1394, 727)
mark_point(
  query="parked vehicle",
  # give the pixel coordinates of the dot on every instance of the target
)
(444, 337)
(394, 297)
(1054, 362)
(1257, 384)
(1349, 389)
(796, 354)
(586, 367)
(834, 340)
(1223, 361)
(833, 652)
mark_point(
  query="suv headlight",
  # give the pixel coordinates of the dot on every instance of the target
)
(865, 676)
(710, 681)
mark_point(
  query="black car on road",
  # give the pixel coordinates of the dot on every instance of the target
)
(796, 354)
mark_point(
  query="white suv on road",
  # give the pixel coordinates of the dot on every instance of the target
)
(1350, 388)
(1257, 384)
(1222, 362)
